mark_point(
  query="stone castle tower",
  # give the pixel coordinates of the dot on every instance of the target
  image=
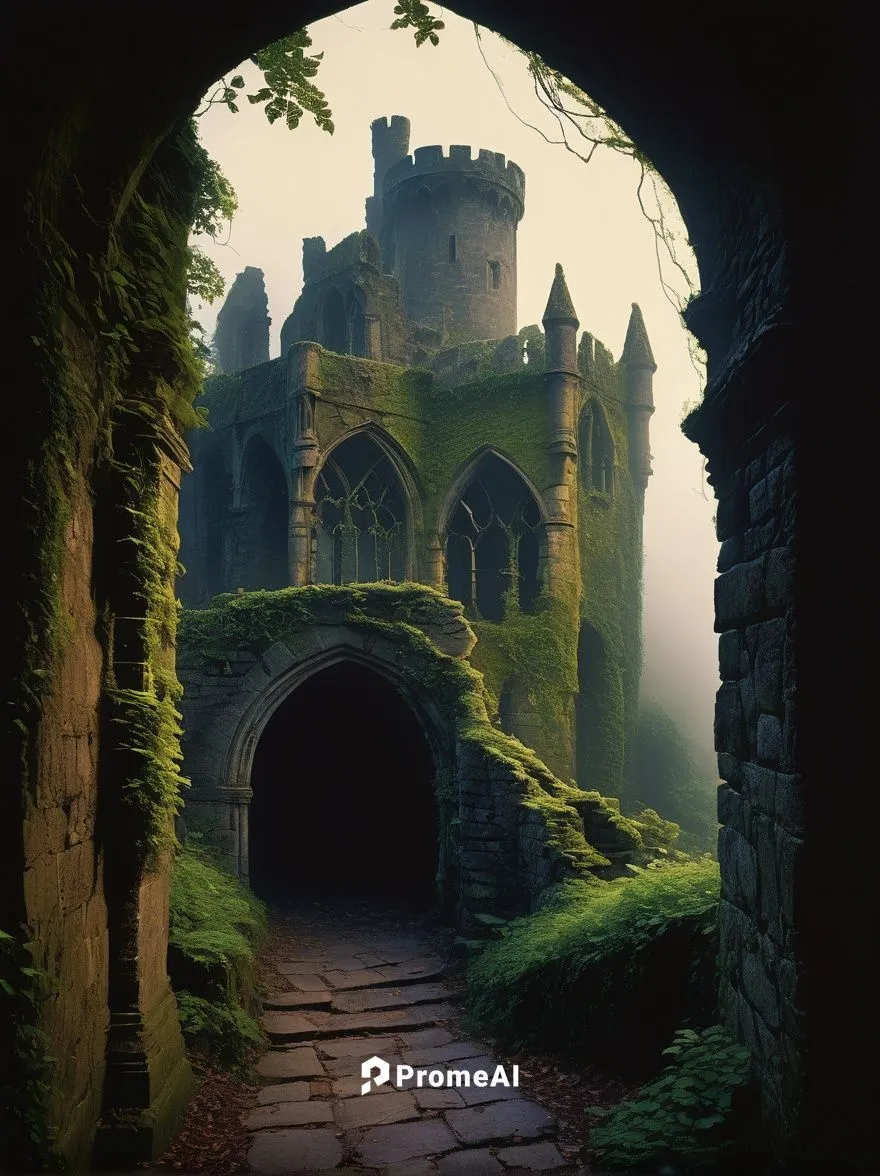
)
(409, 431)
(447, 229)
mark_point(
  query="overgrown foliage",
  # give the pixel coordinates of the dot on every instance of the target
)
(681, 1117)
(216, 926)
(27, 1065)
(605, 970)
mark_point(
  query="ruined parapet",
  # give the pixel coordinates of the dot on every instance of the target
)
(319, 262)
(476, 360)
(241, 337)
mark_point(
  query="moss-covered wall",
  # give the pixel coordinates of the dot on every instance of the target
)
(110, 329)
(610, 541)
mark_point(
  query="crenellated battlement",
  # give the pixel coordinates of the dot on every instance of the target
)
(490, 166)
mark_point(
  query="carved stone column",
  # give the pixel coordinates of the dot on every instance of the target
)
(302, 378)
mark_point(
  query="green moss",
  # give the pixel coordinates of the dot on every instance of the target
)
(26, 1092)
(539, 652)
(104, 325)
(216, 926)
(579, 975)
(611, 571)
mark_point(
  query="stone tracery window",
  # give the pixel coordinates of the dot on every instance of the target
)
(492, 543)
(359, 534)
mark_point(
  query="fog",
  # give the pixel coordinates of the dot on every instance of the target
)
(303, 183)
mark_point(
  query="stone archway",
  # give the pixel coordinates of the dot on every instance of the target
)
(507, 828)
(222, 745)
(343, 786)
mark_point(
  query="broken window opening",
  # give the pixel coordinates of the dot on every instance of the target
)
(596, 450)
(492, 544)
(359, 530)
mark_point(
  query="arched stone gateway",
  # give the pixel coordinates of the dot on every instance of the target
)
(506, 827)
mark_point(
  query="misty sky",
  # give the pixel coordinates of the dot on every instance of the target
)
(303, 183)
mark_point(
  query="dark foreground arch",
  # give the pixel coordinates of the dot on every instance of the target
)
(742, 113)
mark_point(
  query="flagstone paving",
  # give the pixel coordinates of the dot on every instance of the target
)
(367, 994)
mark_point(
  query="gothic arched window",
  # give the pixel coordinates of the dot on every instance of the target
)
(261, 549)
(343, 324)
(492, 543)
(356, 325)
(596, 449)
(359, 534)
(334, 325)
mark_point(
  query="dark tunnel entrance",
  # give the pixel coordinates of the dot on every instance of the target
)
(343, 795)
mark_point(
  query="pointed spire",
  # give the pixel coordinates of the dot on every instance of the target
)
(560, 308)
(637, 351)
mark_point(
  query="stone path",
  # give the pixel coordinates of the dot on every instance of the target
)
(373, 993)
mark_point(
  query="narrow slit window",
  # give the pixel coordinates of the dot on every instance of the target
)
(452, 251)
(495, 274)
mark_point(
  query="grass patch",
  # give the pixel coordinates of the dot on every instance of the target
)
(216, 928)
(604, 970)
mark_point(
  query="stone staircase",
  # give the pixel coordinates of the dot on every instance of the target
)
(384, 997)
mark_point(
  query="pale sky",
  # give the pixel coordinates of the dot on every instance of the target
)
(305, 183)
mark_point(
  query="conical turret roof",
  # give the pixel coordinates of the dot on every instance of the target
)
(560, 308)
(636, 347)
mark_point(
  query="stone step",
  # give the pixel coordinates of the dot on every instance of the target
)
(280, 1001)
(362, 1000)
(291, 1027)
(411, 972)
(514, 1120)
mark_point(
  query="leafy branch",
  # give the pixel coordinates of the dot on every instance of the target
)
(416, 15)
(287, 93)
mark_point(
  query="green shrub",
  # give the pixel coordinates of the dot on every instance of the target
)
(221, 1030)
(605, 970)
(684, 1115)
(216, 926)
(656, 833)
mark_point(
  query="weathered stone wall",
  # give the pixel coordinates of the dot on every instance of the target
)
(760, 802)
(65, 907)
(353, 265)
(241, 339)
(449, 228)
